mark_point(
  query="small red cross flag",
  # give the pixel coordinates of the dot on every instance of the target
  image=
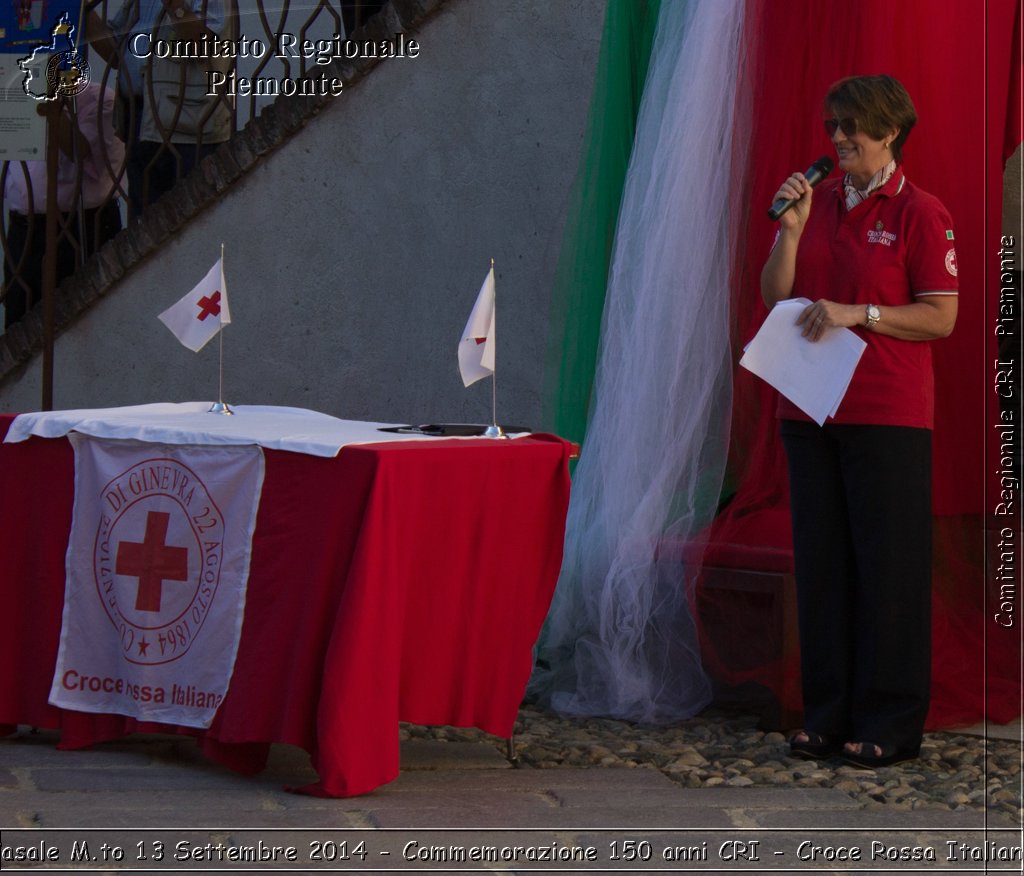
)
(476, 349)
(200, 314)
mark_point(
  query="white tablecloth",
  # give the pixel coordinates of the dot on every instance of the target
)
(278, 428)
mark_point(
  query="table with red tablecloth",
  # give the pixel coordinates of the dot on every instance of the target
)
(401, 581)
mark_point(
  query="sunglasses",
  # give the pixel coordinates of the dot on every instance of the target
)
(848, 126)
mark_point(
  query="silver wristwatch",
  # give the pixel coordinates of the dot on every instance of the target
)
(873, 315)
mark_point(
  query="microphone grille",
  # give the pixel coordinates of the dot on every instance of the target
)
(825, 164)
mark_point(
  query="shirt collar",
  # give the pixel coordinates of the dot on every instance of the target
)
(888, 182)
(894, 185)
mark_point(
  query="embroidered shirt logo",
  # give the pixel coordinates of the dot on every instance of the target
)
(951, 262)
(877, 235)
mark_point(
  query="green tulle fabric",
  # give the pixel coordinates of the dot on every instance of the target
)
(577, 299)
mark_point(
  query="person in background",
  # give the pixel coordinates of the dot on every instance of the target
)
(168, 119)
(875, 254)
(89, 166)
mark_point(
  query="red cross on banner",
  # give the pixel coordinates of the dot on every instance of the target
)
(152, 562)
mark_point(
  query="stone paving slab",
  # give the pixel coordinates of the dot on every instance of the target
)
(517, 813)
(619, 780)
(128, 778)
(163, 783)
(448, 792)
(177, 809)
(429, 754)
(932, 819)
(720, 798)
(112, 815)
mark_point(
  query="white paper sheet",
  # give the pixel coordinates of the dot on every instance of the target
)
(814, 375)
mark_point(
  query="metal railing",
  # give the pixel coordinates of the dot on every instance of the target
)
(169, 81)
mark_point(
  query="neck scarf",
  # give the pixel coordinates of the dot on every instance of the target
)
(854, 195)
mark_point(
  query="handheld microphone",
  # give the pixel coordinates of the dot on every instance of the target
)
(815, 174)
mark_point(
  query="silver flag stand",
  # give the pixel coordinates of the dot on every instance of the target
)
(219, 407)
(494, 430)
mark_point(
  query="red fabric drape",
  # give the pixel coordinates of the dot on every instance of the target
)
(961, 65)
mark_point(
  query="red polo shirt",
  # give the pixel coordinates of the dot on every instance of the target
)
(888, 250)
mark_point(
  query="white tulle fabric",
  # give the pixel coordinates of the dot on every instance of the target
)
(620, 640)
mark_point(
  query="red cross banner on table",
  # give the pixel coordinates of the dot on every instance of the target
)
(157, 566)
(197, 317)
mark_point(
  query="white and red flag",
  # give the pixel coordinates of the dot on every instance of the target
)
(476, 349)
(202, 312)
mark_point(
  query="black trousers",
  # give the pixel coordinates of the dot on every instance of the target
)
(862, 534)
(26, 242)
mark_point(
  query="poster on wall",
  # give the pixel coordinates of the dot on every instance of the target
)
(35, 35)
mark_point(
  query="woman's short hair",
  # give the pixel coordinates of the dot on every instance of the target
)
(878, 103)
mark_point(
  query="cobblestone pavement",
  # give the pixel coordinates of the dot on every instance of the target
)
(955, 772)
(710, 794)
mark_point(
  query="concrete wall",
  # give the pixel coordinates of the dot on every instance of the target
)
(355, 253)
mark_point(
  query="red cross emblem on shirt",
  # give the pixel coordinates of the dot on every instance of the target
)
(209, 306)
(153, 561)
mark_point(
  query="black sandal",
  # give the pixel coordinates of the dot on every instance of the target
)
(890, 755)
(815, 747)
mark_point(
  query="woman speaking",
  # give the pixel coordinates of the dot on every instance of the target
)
(873, 253)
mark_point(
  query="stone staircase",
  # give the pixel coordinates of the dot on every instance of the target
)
(213, 178)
